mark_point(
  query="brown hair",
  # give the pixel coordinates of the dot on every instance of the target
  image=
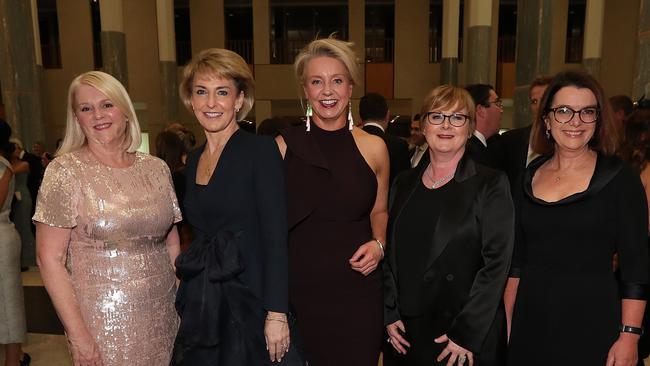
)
(636, 147)
(223, 64)
(605, 139)
(446, 96)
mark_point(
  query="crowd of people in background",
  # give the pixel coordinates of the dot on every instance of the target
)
(325, 242)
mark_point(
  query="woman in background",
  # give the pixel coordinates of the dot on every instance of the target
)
(22, 208)
(12, 307)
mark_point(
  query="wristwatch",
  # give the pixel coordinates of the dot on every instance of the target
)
(628, 329)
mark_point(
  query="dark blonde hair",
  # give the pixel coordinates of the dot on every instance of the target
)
(605, 139)
(221, 63)
(328, 47)
(447, 96)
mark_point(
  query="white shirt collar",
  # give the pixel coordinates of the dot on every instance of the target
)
(374, 124)
(480, 137)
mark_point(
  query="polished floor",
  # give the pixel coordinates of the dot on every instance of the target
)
(52, 349)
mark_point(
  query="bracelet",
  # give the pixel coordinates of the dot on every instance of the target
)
(276, 318)
(381, 245)
(629, 329)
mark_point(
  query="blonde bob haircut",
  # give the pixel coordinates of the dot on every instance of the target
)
(114, 90)
(447, 97)
(220, 63)
(328, 47)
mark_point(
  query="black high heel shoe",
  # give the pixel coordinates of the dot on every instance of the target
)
(27, 359)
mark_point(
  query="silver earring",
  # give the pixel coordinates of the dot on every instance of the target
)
(350, 121)
(308, 114)
(548, 134)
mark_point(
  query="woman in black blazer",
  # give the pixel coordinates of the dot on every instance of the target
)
(233, 295)
(450, 242)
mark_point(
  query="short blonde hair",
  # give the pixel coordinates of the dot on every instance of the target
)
(114, 90)
(224, 64)
(447, 96)
(328, 47)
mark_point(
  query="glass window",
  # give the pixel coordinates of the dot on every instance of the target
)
(380, 31)
(507, 31)
(48, 24)
(97, 33)
(182, 31)
(575, 31)
(295, 25)
(435, 31)
(239, 27)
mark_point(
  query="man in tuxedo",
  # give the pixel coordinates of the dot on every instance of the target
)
(420, 148)
(514, 145)
(374, 113)
(489, 109)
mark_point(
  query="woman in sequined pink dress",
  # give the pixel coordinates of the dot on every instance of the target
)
(105, 234)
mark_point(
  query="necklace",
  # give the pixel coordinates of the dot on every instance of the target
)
(438, 182)
(211, 164)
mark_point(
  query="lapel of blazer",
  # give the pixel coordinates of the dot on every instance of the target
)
(456, 203)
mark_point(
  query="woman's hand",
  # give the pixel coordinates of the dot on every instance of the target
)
(366, 258)
(85, 352)
(396, 338)
(276, 333)
(624, 351)
(454, 351)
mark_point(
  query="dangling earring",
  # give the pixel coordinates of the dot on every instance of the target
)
(308, 115)
(548, 134)
(351, 122)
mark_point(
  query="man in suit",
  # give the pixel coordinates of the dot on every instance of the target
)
(514, 146)
(374, 113)
(489, 109)
(419, 144)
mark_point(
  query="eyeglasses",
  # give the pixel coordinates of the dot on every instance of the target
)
(498, 103)
(437, 118)
(565, 114)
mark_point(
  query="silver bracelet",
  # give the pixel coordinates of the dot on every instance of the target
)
(381, 245)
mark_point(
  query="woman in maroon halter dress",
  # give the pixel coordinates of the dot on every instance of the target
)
(337, 177)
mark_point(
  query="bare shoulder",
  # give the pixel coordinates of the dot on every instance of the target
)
(372, 148)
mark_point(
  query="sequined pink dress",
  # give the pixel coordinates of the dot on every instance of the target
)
(117, 259)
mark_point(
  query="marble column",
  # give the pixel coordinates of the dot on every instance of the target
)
(478, 42)
(534, 20)
(449, 61)
(167, 57)
(642, 69)
(208, 26)
(261, 32)
(593, 39)
(19, 70)
(113, 40)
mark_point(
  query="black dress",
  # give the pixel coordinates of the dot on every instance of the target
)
(332, 191)
(568, 305)
(236, 268)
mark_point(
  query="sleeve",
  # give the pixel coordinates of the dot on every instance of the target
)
(58, 197)
(496, 222)
(632, 235)
(271, 202)
(172, 192)
(519, 250)
(391, 302)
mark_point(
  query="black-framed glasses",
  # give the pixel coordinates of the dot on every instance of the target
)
(498, 102)
(437, 118)
(565, 114)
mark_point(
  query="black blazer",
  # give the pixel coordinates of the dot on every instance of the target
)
(246, 195)
(512, 150)
(398, 151)
(466, 272)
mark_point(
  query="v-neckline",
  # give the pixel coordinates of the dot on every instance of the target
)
(216, 167)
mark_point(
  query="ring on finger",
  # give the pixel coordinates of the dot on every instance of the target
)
(461, 359)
